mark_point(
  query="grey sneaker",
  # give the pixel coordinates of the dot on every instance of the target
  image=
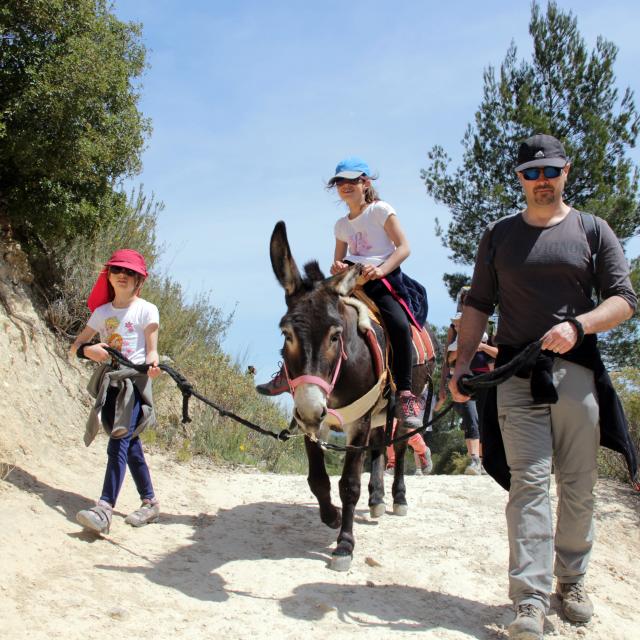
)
(96, 519)
(408, 410)
(474, 468)
(528, 624)
(576, 605)
(148, 512)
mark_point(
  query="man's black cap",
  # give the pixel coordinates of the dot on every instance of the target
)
(541, 150)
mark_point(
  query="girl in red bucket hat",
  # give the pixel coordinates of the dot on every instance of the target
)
(124, 402)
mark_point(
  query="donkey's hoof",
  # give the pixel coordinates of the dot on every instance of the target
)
(377, 510)
(400, 509)
(340, 562)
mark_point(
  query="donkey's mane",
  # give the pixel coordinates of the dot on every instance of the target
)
(313, 273)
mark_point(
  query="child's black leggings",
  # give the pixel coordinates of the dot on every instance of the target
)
(397, 324)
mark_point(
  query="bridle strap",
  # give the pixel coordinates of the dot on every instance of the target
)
(327, 387)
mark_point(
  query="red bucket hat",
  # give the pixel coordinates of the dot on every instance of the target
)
(127, 258)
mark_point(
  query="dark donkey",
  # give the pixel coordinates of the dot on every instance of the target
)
(329, 365)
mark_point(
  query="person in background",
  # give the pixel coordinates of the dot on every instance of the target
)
(471, 410)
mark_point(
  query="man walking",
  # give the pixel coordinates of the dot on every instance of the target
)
(538, 265)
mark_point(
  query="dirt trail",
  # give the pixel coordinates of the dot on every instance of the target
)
(244, 555)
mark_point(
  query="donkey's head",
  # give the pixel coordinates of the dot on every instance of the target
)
(313, 329)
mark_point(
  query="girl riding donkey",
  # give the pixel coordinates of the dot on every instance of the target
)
(371, 235)
(123, 396)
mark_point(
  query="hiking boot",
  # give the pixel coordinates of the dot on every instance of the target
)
(474, 468)
(96, 519)
(426, 463)
(528, 624)
(277, 385)
(408, 410)
(148, 512)
(576, 605)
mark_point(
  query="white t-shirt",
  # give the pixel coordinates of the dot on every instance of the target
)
(368, 242)
(123, 329)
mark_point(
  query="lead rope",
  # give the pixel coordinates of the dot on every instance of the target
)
(467, 384)
(187, 392)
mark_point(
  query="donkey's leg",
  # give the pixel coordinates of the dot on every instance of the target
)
(376, 479)
(350, 494)
(320, 484)
(398, 489)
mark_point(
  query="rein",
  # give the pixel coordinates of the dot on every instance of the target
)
(187, 391)
(467, 384)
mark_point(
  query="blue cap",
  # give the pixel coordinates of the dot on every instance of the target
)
(351, 167)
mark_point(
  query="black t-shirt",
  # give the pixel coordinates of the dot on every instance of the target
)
(544, 275)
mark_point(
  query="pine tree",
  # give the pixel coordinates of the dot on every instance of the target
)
(564, 90)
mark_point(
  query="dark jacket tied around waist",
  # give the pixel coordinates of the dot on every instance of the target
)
(614, 430)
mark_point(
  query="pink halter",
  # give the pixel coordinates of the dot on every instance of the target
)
(321, 382)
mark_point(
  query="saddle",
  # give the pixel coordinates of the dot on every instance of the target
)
(423, 347)
(370, 325)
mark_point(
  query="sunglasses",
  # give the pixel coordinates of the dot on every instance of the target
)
(118, 270)
(338, 182)
(533, 173)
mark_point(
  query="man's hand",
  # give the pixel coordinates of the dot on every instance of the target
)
(453, 386)
(560, 338)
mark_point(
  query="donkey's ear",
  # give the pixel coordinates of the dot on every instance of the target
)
(284, 266)
(344, 282)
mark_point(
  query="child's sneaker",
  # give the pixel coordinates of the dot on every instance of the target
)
(390, 470)
(148, 512)
(96, 519)
(277, 385)
(408, 410)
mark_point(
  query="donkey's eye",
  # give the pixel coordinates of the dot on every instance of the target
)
(335, 336)
(287, 335)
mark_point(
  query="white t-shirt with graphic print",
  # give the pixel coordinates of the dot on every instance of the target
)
(367, 241)
(123, 329)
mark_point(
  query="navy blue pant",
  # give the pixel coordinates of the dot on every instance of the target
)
(469, 414)
(122, 452)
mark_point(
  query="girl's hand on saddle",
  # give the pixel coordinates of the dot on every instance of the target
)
(153, 371)
(337, 267)
(369, 272)
(96, 352)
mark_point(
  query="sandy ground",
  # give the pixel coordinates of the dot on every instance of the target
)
(239, 554)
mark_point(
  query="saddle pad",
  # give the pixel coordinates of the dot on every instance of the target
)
(422, 346)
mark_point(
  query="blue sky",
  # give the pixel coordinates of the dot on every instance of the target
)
(254, 102)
